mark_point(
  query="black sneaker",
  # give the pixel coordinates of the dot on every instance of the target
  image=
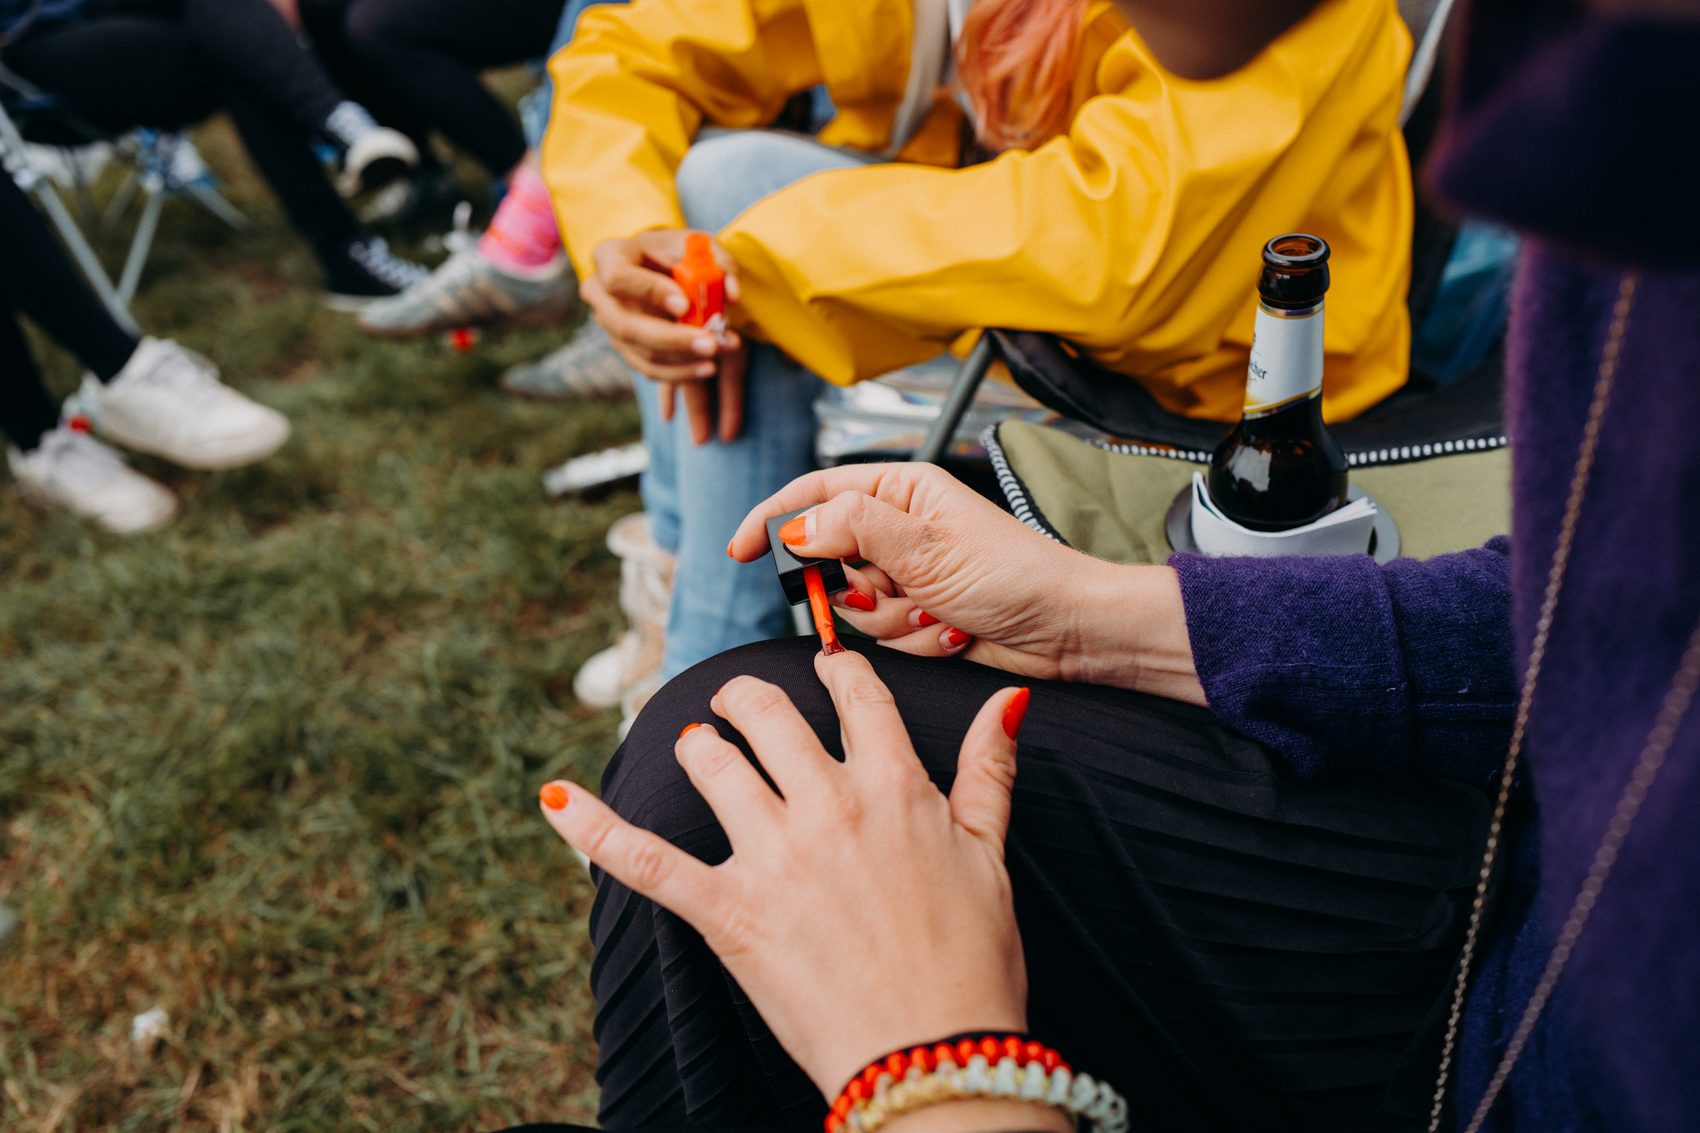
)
(366, 270)
(370, 156)
(422, 201)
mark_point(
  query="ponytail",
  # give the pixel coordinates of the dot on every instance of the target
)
(1016, 60)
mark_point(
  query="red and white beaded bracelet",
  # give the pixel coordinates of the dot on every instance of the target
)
(973, 1066)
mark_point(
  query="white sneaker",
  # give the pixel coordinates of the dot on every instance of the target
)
(646, 593)
(72, 470)
(168, 401)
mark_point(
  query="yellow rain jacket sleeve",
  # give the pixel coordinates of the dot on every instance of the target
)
(1136, 235)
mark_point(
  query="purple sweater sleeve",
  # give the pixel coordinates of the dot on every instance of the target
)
(1339, 664)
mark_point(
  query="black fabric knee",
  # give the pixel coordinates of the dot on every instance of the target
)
(121, 71)
(426, 54)
(1230, 948)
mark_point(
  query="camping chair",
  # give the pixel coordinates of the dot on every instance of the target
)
(160, 165)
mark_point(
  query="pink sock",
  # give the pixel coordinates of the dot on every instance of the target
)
(522, 236)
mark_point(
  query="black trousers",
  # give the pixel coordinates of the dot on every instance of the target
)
(1232, 949)
(416, 63)
(169, 63)
(37, 278)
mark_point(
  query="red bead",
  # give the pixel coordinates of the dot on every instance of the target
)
(943, 1053)
(922, 1058)
(1066, 1066)
(1012, 1048)
(833, 1121)
(1032, 1052)
(841, 1107)
(897, 1065)
(855, 1091)
(872, 1075)
(964, 1051)
(1050, 1060)
(992, 1049)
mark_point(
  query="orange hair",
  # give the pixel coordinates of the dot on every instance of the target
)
(1016, 61)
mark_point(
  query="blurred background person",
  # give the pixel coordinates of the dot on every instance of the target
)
(146, 394)
(422, 59)
(166, 64)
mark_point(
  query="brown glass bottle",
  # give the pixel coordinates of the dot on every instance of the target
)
(1279, 468)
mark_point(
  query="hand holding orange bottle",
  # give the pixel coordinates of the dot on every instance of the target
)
(661, 295)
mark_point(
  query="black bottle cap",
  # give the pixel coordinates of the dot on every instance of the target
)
(790, 567)
(1295, 271)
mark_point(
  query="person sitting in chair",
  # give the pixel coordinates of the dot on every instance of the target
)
(1104, 171)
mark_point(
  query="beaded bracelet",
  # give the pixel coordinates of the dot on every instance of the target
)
(976, 1066)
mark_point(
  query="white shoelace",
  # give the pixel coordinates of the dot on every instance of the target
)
(374, 256)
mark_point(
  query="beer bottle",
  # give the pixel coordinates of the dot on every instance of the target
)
(1279, 468)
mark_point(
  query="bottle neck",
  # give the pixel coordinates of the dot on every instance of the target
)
(1286, 360)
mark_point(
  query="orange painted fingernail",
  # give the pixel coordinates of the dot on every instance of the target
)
(924, 619)
(688, 727)
(554, 796)
(1015, 712)
(856, 600)
(795, 531)
(729, 553)
(953, 638)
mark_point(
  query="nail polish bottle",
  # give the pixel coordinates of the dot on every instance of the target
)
(790, 566)
(703, 283)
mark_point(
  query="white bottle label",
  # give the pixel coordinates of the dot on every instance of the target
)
(1286, 360)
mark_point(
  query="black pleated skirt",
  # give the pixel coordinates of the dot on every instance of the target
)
(1231, 948)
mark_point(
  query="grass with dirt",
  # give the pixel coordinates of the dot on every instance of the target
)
(274, 769)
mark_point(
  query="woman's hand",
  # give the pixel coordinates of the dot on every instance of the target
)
(862, 912)
(951, 573)
(635, 299)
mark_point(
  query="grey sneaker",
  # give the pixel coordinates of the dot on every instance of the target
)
(469, 291)
(588, 366)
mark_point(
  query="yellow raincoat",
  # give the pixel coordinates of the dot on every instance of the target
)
(1136, 235)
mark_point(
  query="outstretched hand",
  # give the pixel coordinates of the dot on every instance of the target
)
(948, 572)
(863, 911)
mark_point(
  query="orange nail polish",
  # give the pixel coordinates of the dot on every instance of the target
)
(554, 796)
(954, 638)
(729, 553)
(924, 619)
(1016, 712)
(688, 727)
(795, 531)
(856, 600)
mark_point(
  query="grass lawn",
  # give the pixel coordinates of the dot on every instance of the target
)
(275, 768)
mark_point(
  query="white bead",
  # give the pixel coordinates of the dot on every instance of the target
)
(1034, 1083)
(1003, 1082)
(1115, 1121)
(1061, 1080)
(1100, 1106)
(976, 1079)
(854, 1121)
(881, 1085)
(1085, 1090)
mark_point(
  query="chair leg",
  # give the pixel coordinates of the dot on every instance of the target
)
(140, 246)
(84, 255)
(962, 390)
(213, 201)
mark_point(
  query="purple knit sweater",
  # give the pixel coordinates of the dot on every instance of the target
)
(1580, 132)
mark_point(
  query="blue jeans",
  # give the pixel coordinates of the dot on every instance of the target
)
(696, 495)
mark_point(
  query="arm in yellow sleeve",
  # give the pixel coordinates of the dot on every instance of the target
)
(1137, 235)
(632, 89)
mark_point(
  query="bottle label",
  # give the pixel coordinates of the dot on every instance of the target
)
(1286, 360)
